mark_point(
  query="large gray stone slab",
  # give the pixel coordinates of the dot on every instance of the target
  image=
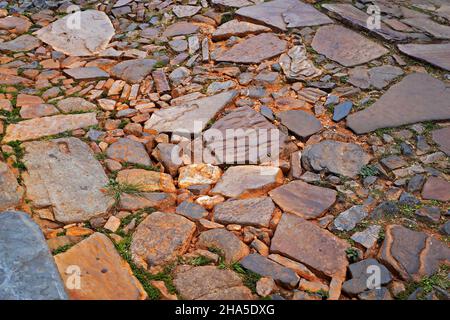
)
(438, 31)
(64, 175)
(418, 97)
(435, 54)
(27, 268)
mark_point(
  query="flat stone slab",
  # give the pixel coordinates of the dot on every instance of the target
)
(160, 238)
(361, 273)
(336, 157)
(14, 24)
(436, 189)
(86, 73)
(345, 46)
(435, 54)
(377, 77)
(147, 181)
(303, 199)
(268, 268)
(238, 29)
(284, 14)
(183, 11)
(10, 192)
(368, 237)
(442, 138)
(438, 31)
(301, 123)
(27, 268)
(64, 36)
(252, 212)
(102, 271)
(248, 181)
(191, 117)
(243, 136)
(127, 150)
(133, 71)
(231, 246)
(311, 245)
(209, 283)
(412, 254)
(157, 200)
(357, 18)
(64, 175)
(180, 29)
(25, 42)
(46, 126)
(297, 66)
(75, 104)
(348, 219)
(254, 49)
(418, 97)
(198, 174)
(233, 3)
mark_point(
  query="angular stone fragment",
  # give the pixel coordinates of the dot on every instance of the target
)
(361, 273)
(418, 97)
(185, 11)
(435, 54)
(161, 83)
(254, 49)
(303, 199)
(248, 181)
(210, 283)
(297, 267)
(191, 210)
(180, 29)
(438, 31)
(367, 237)
(412, 254)
(253, 212)
(346, 46)
(348, 219)
(75, 104)
(63, 36)
(283, 14)
(196, 174)
(337, 157)
(242, 136)
(191, 117)
(232, 248)
(46, 126)
(378, 77)
(26, 264)
(159, 238)
(86, 73)
(297, 66)
(267, 268)
(133, 71)
(436, 189)
(25, 42)
(63, 174)
(442, 138)
(38, 110)
(300, 122)
(169, 155)
(238, 29)
(14, 24)
(127, 150)
(233, 3)
(311, 245)
(146, 181)
(157, 200)
(10, 192)
(104, 274)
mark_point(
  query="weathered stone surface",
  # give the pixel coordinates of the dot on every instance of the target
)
(200, 173)
(64, 37)
(336, 157)
(438, 31)
(253, 212)
(210, 283)
(436, 189)
(46, 126)
(412, 254)
(25, 42)
(300, 122)
(367, 237)
(360, 19)
(185, 11)
(191, 210)
(297, 66)
(161, 83)
(418, 97)
(159, 238)
(442, 138)
(133, 71)
(303, 199)
(157, 200)
(375, 294)
(147, 181)
(191, 117)
(361, 272)
(346, 46)
(169, 155)
(254, 49)
(297, 267)
(435, 54)
(15, 24)
(233, 3)
(180, 29)
(64, 174)
(127, 150)
(248, 181)
(75, 104)
(238, 29)
(348, 219)
(267, 268)
(104, 274)
(26, 265)
(283, 14)
(311, 245)
(10, 192)
(232, 248)
(245, 137)
(377, 77)
(38, 110)
(86, 73)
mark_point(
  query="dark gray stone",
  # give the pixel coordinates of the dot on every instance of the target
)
(342, 110)
(191, 210)
(300, 122)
